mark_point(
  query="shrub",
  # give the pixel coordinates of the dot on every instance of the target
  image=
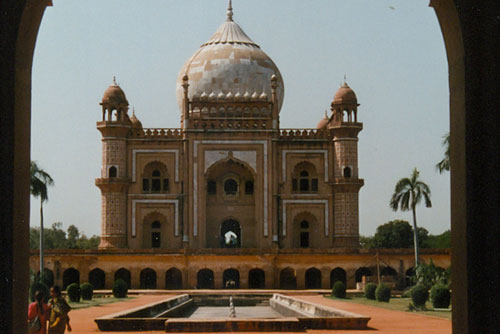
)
(38, 286)
(120, 288)
(73, 291)
(338, 289)
(419, 295)
(87, 291)
(440, 296)
(370, 291)
(383, 293)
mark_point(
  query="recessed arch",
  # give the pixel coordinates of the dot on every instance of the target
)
(288, 279)
(256, 279)
(70, 275)
(148, 279)
(338, 275)
(360, 272)
(123, 274)
(97, 278)
(231, 279)
(173, 279)
(313, 278)
(205, 279)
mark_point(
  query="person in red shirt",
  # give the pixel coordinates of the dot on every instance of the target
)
(38, 307)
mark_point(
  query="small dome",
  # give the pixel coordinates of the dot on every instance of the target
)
(136, 124)
(323, 123)
(114, 95)
(345, 95)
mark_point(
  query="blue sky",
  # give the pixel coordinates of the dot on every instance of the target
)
(392, 53)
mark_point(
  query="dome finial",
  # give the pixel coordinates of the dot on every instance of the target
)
(230, 11)
(114, 81)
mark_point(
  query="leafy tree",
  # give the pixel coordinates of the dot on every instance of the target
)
(55, 238)
(407, 194)
(442, 240)
(444, 165)
(40, 179)
(398, 234)
(366, 242)
(429, 275)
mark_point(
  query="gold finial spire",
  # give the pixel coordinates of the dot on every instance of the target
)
(114, 81)
(230, 11)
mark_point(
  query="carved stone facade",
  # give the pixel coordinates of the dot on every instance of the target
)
(229, 177)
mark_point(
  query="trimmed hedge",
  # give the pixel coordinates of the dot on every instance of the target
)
(440, 296)
(87, 291)
(419, 295)
(73, 291)
(120, 288)
(338, 289)
(38, 286)
(370, 291)
(383, 293)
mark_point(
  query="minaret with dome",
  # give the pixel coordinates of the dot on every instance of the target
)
(229, 179)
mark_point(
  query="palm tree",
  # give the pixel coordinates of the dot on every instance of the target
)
(407, 194)
(38, 188)
(444, 165)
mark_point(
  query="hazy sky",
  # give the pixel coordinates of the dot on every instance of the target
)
(391, 51)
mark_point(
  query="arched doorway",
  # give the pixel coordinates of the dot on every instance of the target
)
(231, 279)
(256, 279)
(148, 279)
(313, 278)
(205, 279)
(70, 275)
(47, 277)
(288, 280)
(230, 234)
(173, 279)
(337, 274)
(97, 278)
(363, 271)
(123, 274)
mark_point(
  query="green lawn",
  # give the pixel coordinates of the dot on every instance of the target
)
(96, 301)
(396, 304)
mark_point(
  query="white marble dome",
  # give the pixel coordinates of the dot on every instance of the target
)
(230, 62)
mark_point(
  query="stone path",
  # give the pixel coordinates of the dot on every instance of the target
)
(382, 321)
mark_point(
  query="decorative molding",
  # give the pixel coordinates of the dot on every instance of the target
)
(305, 201)
(214, 156)
(175, 202)
(195, 177)
(285, 152)
(134, 159)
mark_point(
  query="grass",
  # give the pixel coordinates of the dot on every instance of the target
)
(396, 304)
(96, 301)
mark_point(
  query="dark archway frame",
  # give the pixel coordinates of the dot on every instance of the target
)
(470, 31)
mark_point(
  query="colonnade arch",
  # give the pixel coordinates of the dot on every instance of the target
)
(70, 275)
(97, 278)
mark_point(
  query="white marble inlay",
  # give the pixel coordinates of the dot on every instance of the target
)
(229, 142)
(305, 201)
(175, 202)
(213, 156)
(285, 152)
(134, 159)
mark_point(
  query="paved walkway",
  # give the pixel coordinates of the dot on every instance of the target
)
(382, 321)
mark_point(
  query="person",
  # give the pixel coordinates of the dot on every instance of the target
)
(40, 309)
(59, 308)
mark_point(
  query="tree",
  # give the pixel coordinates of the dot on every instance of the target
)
(407, 194)
(38, 188)
(398, 234)
(444, 165)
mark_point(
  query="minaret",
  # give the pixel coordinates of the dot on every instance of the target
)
(345, 127)
(114, 183)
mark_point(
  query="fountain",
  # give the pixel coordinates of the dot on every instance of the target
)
(208, 312)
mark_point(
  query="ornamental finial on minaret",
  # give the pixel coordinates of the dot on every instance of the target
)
(230, 11)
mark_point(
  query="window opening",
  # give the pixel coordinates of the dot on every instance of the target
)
(211, 187)
(249, 187)
(230, 187)
(112, 172)
(156, 224)
(347, 172)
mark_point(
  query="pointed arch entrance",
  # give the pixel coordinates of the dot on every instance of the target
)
(230, 234)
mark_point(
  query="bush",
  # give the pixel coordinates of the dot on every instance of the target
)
(383, 293)
(87, 291)
(440, 296)
(120, 288)
(370, 291)
(73, 291)
(37, 286)
(338, 289)
(419, 295)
